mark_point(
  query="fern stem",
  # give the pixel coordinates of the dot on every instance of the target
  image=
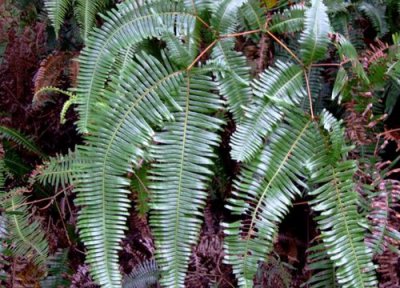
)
(309, 94)
(240, 34)
(201, 55)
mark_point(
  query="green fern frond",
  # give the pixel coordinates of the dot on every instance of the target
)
(27, 238)
(143, 275)
(86, 11)
(234, 80)
(282, 84)
(322, 268)
(340, 82)
(59, 170)
(20, 139)
(272, 180)
(225, 16)
(314, 39)
(123, 128)
(126, 26)
(57, 270)
(253, 14)
(376, 14)
(56, 10)
(336, 202)
(180, 174)
(289, 21)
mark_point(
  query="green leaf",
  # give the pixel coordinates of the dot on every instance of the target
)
(20, 139)
(289, 21)
(340, 82)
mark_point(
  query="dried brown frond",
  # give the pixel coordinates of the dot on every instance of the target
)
(357, 125)
(375, 52)
(51, 72)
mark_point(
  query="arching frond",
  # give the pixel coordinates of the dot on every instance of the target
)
(57, 270)
(57, 9)
(128, 25)
(180, 174)
(376, 14)
(27, 237)
(273, 179)
(282, 84)
(138, 99)
(234, 81)
(340, 82)
(20, 139)
(314, 39)
(336, 202)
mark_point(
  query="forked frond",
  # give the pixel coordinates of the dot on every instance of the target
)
(26, 235)
(180, 173)
(57, 9)
(273, 179)
(123, 128)
(314, 39)
(336, 203)
(282, 84)
(126, 26)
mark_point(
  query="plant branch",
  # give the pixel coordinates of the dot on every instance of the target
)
(201, 55)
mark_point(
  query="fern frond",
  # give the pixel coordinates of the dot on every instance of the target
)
(234, 80)
(20, 139)
(322, 268)
(143, 275)
(336, 202)
(340, 82)
(180, 175)
(225, 16)
(57, 270)
(282, 84)
(289, 21)
(272, 180)
(376, 14)
(57, 9)
(27, 238)
(253, 14)
(123, 128)
(86, 11)
(314, 39)
(126, 26)
(59, 170)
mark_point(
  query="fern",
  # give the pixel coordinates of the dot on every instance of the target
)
(57, 9)
(290, 20)
(282, 84)
(57, 270)
(376, 14)
(128, 25)
(143, 275)
(27, 237)
(180, 175)
(336, 201)
(314, 39)
(271, 180)
(86, 11)
(124, 128)
(20, 139)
